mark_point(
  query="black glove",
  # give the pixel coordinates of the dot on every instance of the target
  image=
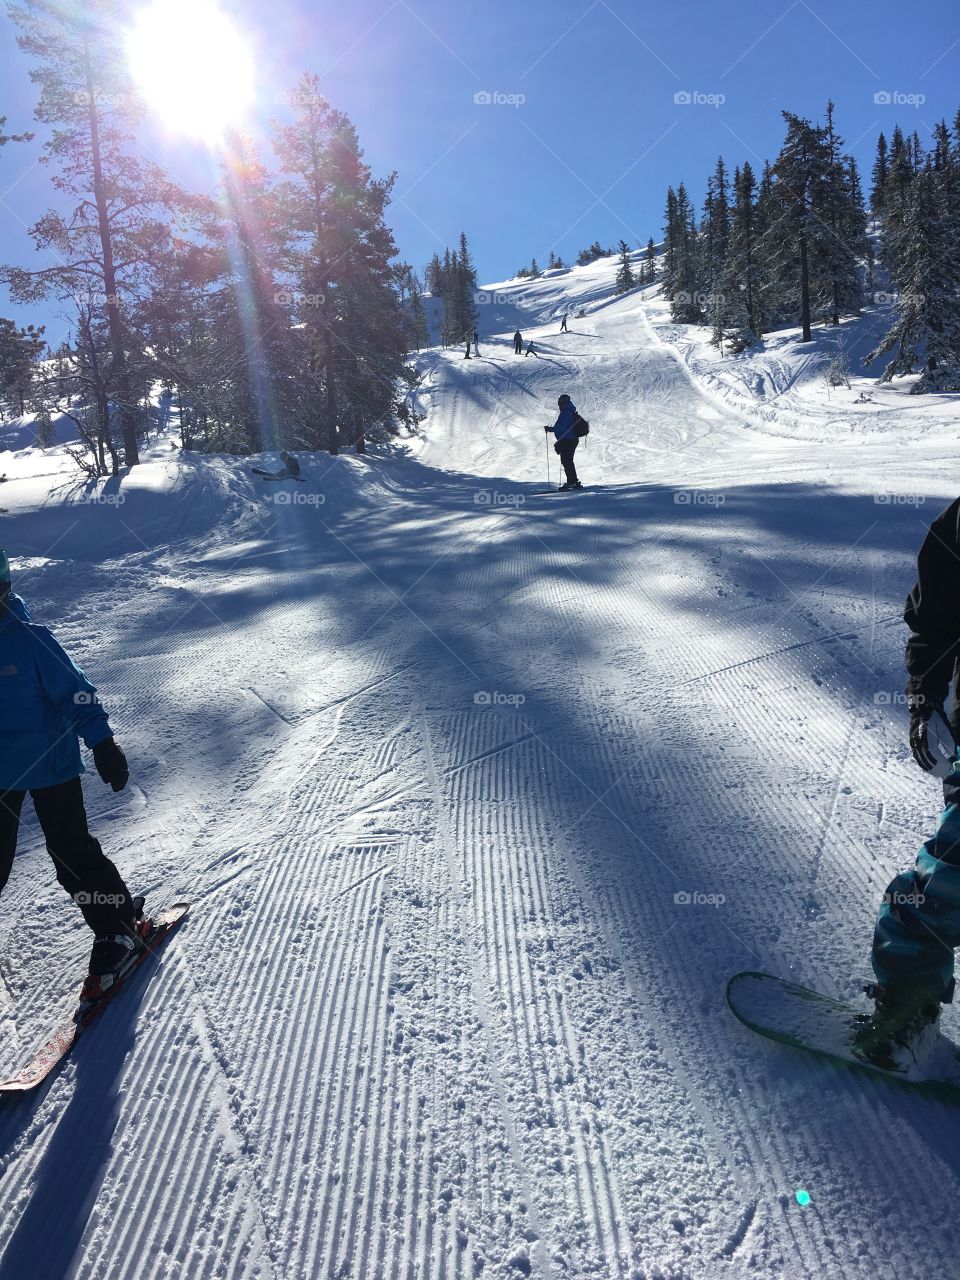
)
(111, 764)
(920, 713)
(547, 430)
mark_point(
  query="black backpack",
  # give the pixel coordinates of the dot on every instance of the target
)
(581, 427)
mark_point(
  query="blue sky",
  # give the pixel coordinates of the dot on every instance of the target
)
(598, 132)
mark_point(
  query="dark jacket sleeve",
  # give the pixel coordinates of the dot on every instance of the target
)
(933, 610)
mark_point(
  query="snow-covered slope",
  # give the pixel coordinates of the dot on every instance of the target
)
(480, 795)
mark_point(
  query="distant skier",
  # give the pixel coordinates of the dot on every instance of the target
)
(46, 703)
(467, 352)
(476, 343)
(919, 922)
(530, 351)
(566, 440)
(518, 343)
(290, 471)
(563, 323)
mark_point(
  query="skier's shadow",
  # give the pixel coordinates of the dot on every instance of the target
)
(68, 1178)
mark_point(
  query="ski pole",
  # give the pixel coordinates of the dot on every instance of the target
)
(546, 441)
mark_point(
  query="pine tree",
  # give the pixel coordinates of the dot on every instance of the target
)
(341, 258)
(626, 280)
(650, 262)
(116, 228)
(797, 233)
(194, 355)
(254, 309)
(916, 152)
(411, 298)
(671, 241)
(591, 254)
(879, 175)
(840, 209)
(895, 195)
(712, 256)
(926, 329)
(742, 282)
(686, 305)
(434, 276)
(20, 353)
(467, 285)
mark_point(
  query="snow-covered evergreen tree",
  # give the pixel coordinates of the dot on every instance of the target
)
(626, 280)
(20, 353)
(650, 262)
(742, 279)
(879, 175)
(685, 302)
(844, 248)
(925, 333)
(799, 256)
(712, 252)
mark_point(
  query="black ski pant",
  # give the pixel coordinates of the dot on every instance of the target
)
(517, 348)
(82, 868)
(566, 450)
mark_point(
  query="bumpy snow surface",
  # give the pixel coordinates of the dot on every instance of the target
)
(479, 797)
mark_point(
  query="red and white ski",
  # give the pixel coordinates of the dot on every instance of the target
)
(62, 1041)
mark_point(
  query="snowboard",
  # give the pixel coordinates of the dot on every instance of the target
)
(807, 1019)
(51, 1054)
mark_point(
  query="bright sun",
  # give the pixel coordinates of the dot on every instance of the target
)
(191, 66)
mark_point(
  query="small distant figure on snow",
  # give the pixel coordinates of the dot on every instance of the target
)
(466, 354)
(291, 469)
(476, 343)
(518, 343)
(530, 351)
(563, 323)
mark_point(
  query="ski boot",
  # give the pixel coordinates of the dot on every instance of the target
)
(902, 1030)
(113, 956)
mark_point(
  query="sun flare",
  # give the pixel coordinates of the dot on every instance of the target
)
(192, 66)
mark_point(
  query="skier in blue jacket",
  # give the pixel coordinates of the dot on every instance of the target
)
(566, 440)
(46, 705)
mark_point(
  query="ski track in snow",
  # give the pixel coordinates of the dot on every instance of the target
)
(450, 1000)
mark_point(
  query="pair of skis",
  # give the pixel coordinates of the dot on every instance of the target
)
(772, 1007)
(51, 1054)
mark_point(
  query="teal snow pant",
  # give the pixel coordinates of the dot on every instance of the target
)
(919, 921)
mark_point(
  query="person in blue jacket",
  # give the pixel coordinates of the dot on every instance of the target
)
(46, 705)
(566, 440)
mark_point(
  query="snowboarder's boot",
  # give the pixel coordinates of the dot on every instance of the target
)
(113, 955)
(566, 485)
(576, 485)
(902, 1030)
